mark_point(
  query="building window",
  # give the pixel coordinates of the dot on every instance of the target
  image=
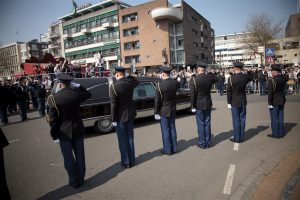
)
(291, 45)
(179, 43)
(194, 31)
(129, 18)
(130, 31)
(178, 28)
(132, 45)
(195, 57)
(202, 56)
(180, 56)
(193, 18)
(132, 59)
(195, 44)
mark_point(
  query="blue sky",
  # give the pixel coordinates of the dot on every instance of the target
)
(32, 17)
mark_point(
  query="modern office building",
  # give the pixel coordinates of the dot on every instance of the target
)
(232, 48)
(158, 33)
(10, 58)
(92, 29)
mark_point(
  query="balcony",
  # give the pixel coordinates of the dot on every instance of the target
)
(54, 45)
(172, 14)
(67, 35)
(108, 25)
(54, 35)
(85, 30)
(104, 40)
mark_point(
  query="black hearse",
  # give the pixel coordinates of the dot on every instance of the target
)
(95, 112)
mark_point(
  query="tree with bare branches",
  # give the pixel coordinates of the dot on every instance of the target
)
(262, 30)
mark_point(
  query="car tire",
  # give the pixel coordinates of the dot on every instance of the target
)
(103, 126)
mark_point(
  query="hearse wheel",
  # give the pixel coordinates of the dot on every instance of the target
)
(103, 126)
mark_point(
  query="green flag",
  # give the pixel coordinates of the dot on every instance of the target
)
(74, 9)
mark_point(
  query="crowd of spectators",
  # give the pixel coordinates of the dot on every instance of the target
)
(30, 92)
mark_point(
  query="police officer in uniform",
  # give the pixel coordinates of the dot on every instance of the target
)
(276, 101)
(165, 110)
(237, 100)
(201, 103)
(67, 127)
(123, 112)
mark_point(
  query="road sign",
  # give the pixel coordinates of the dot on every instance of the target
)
(260, 49)
(270, 52)
(269, 59)
(253, 57)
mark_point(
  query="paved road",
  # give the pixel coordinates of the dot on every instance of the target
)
(35, 167)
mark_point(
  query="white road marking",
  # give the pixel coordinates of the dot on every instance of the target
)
(13, 140)
(236, 146)
(229, 179)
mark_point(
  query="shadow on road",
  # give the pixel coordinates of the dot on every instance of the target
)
(221, 137)
(288, 127)
(250, 133)
(110, 173)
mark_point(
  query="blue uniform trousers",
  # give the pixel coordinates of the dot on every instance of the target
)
(239, 122)
(126, 142)
(203, 119)
(169, 135)
(74, 159)
(277, 124)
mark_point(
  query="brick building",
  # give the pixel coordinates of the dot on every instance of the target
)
(158, 33)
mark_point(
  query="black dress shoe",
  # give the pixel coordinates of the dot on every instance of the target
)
(164, 153)
(232, 140)
(125, 166)
(271, 136)
(201, 146)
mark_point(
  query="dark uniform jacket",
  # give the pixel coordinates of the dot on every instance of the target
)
(276, 86)
(165, 97)
(236, 86)
(122, 105)
(64, 113)
(200, 91)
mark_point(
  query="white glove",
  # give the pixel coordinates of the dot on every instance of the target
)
(56, 141)
(114, 123)
(193, 110)
(229, 106)
(157, 117)
(75, 85)
(270, 106)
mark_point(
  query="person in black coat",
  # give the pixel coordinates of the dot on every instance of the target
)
(237, 100)
(6, 97)
(221, 81)
(123, 112)
(276, 101)
(165, 110)
(40, 95)
(67, 127)
(22, 98)
(262, 79)
(201, 103)
(5, 195)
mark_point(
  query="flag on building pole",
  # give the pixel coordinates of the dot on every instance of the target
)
(74, 9)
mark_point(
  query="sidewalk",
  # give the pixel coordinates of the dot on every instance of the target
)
(283, 182)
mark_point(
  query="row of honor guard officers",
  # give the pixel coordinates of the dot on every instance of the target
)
(67, 128)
